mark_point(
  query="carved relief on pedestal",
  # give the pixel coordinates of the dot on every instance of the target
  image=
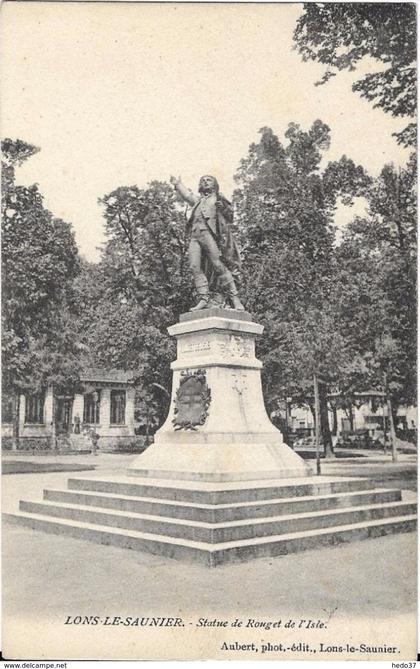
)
(192, 400)
(236, 347)
(239, 382)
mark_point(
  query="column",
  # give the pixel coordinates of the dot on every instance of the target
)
(129, 410)
(48, 407)
(22, 409)
(78, 405)
(105, 410)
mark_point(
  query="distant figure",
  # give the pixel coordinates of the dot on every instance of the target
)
(77, 424)
(212, 253)
(94, 437)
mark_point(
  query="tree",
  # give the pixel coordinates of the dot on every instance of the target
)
(340, 35)
(146, 252)
(40, 261)
(139, 288)
(285, 211)
(377, 280)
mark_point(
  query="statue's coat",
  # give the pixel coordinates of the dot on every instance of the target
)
(226, 242)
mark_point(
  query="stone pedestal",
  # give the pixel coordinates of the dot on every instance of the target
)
(233, 439)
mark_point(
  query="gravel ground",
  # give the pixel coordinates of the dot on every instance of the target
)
(351, 577)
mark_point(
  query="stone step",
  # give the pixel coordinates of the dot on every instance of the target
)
(207, 493)
(241, 551)
(213, 555)
(211, 513)
(218, 532)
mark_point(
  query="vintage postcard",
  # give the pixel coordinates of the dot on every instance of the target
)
(209, 423)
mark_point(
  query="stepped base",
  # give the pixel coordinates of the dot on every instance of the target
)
(215, 523)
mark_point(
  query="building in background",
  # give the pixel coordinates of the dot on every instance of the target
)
(368, 412)
(104, 406)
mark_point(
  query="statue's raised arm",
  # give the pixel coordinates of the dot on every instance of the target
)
(212, 253)
(183, 191)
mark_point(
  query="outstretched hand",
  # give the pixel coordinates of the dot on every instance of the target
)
(175, 180)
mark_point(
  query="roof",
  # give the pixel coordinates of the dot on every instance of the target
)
(107, 375)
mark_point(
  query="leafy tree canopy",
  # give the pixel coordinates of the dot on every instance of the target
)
(340, 35)
(40, 261)
(138, 289)
(285, 212)
(376, 280)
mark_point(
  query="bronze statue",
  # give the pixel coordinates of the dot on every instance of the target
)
(213, 253)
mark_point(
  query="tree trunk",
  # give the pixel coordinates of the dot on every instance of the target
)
(288, 425)
(53, 425)
(351, 418)
(348, 410)
(317, 424)
(392, 434)
(313, 414)
(395, 418)
(325, 425)
(384, 427)
(147, 425)
(15, 428)
(334, 430)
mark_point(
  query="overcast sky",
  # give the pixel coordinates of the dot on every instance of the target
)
(121, 94)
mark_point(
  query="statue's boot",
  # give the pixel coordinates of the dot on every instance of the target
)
(202, 288)
(217, 300)
(202, 304)
(228, 286)
(237, 304)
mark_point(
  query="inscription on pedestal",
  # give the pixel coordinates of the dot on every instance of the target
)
(192, 400)
(194, 347)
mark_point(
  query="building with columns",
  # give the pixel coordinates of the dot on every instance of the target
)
(104, 404)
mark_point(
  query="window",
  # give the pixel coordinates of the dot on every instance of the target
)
(34, 409)
(117, 407)
(374, 420)
(345, 425)
(7, 409)
(91, 407)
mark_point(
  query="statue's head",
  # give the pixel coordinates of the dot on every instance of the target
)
(208, 184)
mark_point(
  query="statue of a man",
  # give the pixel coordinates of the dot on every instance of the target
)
(213, 253)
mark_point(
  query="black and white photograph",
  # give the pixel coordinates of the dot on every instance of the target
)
(209, 331)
